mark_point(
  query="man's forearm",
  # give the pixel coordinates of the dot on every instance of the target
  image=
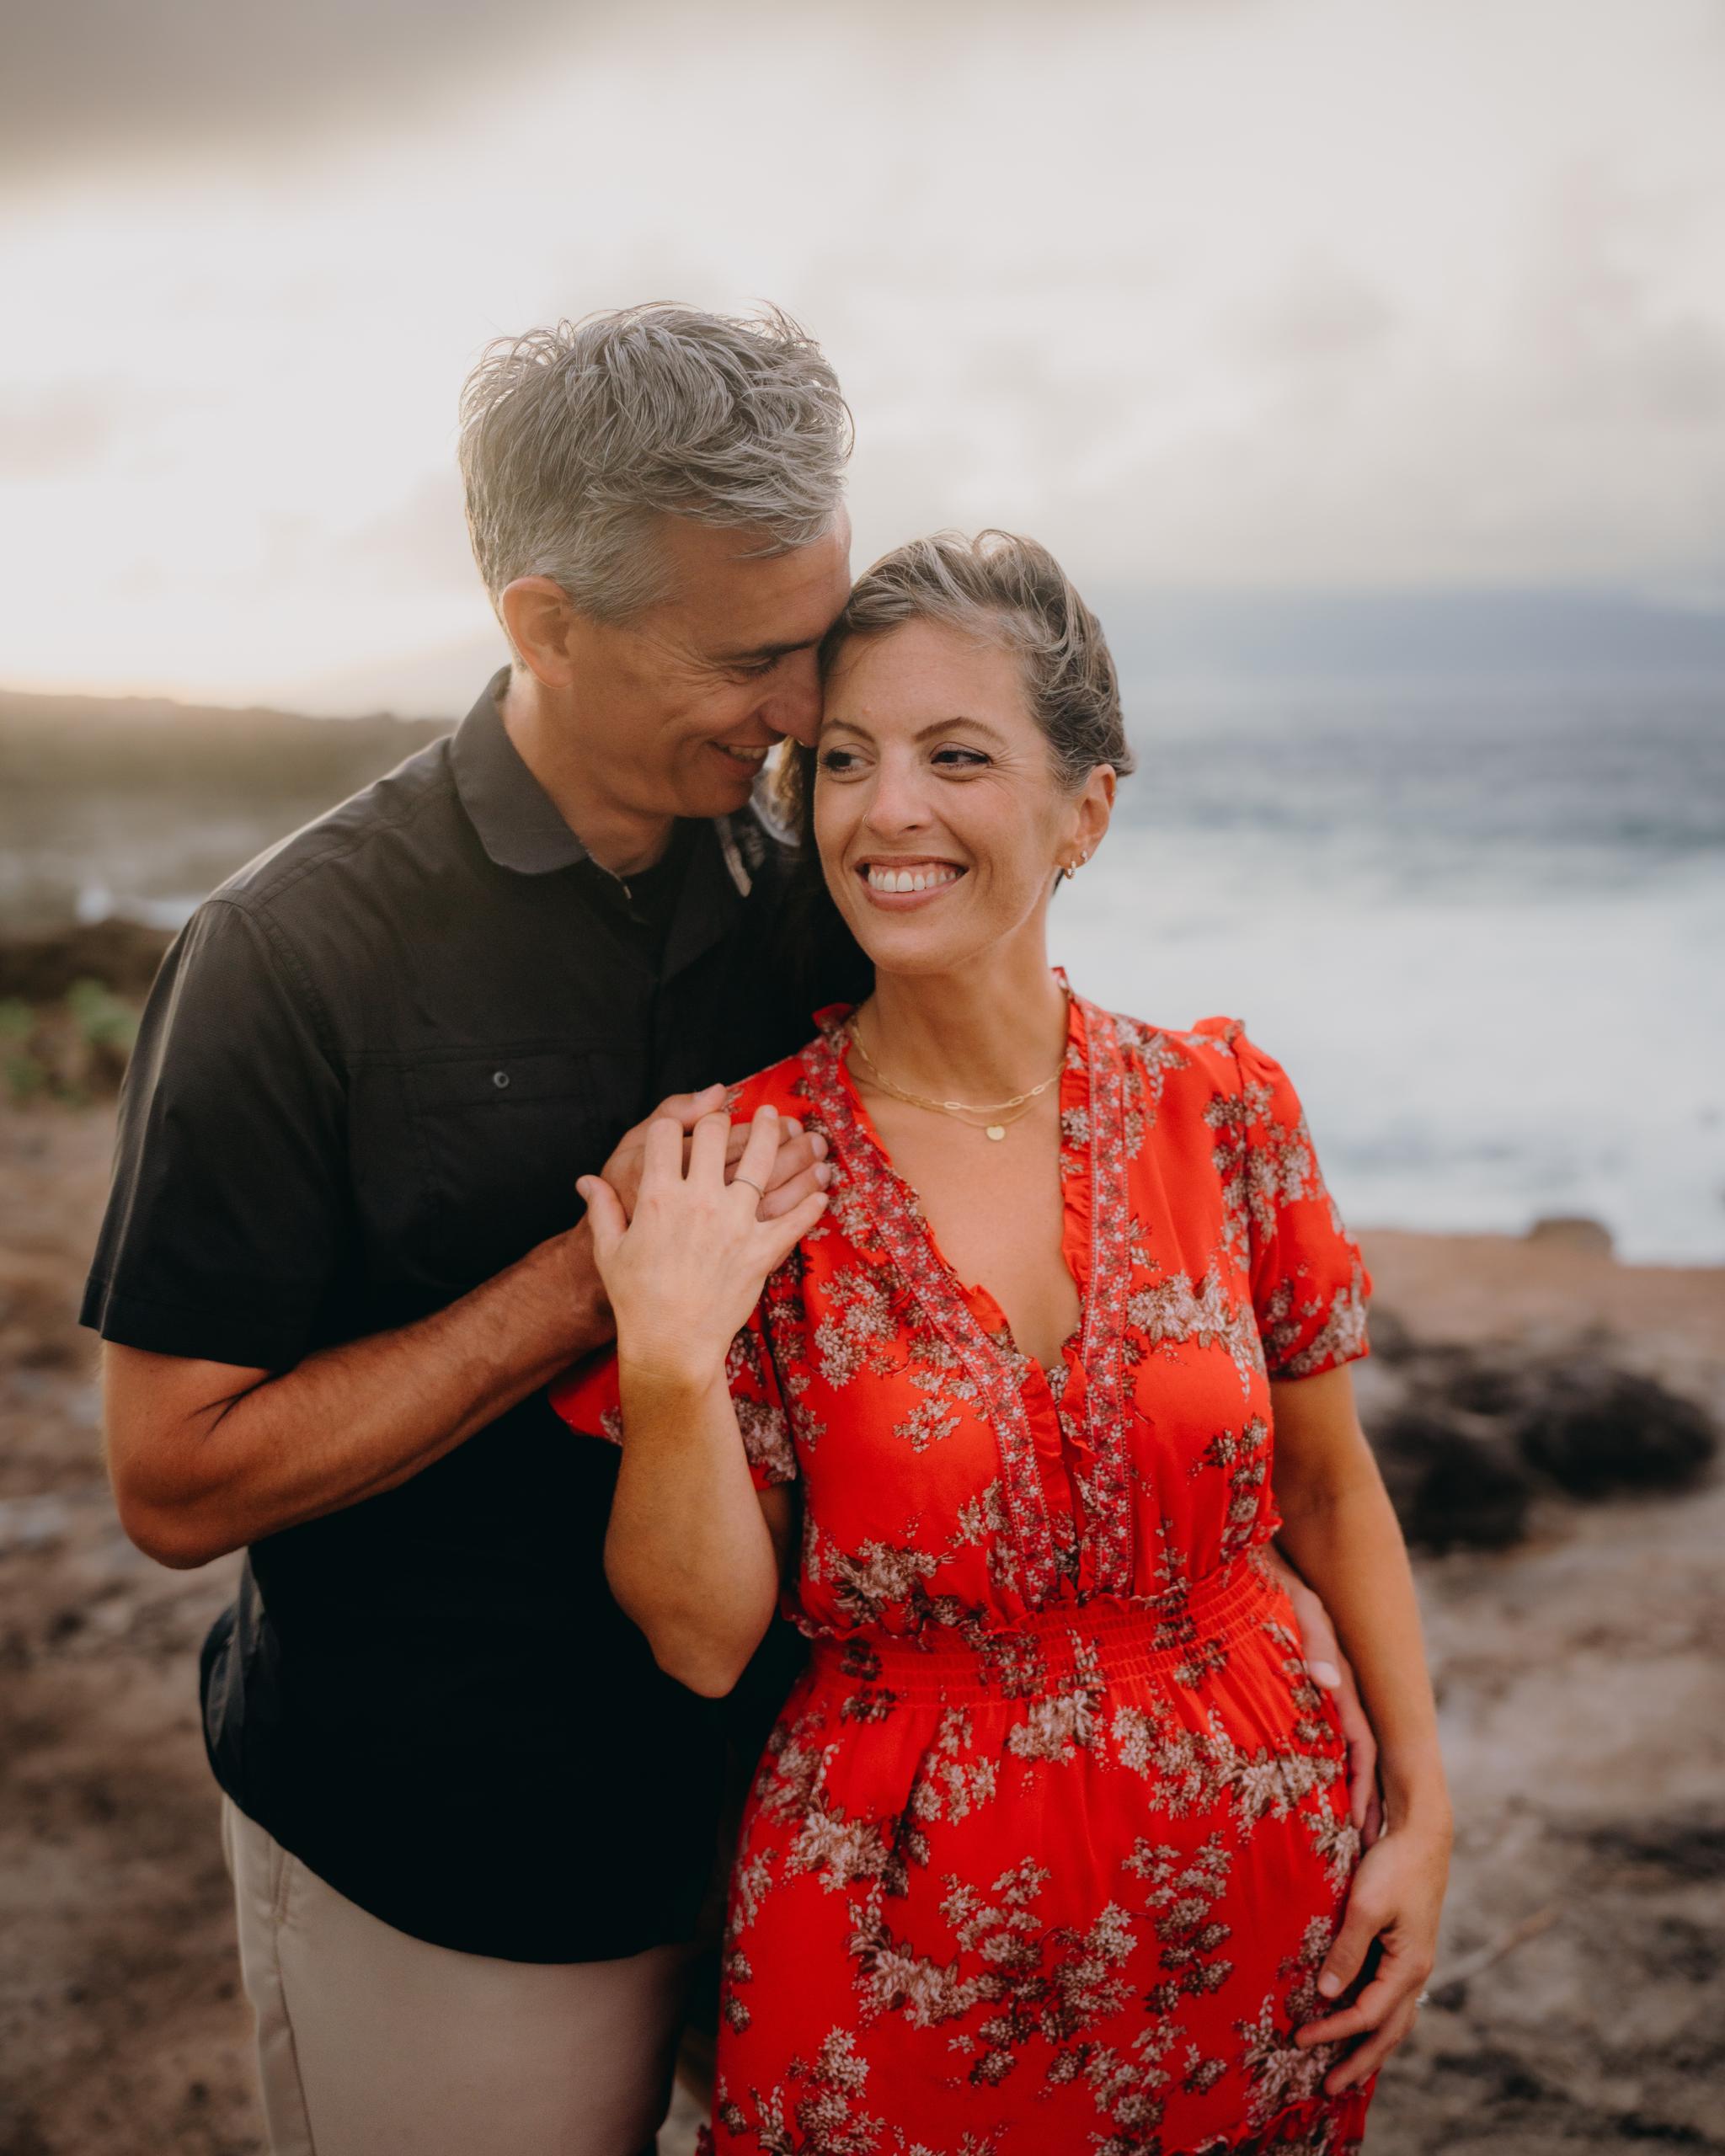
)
(350, 1422)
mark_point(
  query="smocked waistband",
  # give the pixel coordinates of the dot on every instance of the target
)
(1108, 1637)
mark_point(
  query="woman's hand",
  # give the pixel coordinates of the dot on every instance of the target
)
(797, 1170)
(685, 1271)
(1395, 1900)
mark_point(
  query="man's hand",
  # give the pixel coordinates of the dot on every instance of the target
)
(1328, 1666)
(798, 1169)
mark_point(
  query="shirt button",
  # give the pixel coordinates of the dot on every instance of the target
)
(499, 1079)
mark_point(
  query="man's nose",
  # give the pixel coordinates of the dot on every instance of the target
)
(794, 709)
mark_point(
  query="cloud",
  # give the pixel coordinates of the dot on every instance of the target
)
(54, 430)
(1225, 293)
(89, 84)
(1320, 317)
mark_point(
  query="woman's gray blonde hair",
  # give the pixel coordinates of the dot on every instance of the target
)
(1008, 591)
(576, 440)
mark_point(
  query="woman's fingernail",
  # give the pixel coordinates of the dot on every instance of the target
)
(1329, 1983)
(823, 1175)
(1326, 1672)
(820, 1144)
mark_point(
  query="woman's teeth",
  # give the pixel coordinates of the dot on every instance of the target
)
(911, 879)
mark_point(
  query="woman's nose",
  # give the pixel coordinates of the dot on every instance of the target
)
(897, 801)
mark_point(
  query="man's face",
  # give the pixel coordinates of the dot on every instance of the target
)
(677, 709)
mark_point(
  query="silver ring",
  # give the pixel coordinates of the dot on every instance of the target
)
(1423, 1998)
(750, 1180)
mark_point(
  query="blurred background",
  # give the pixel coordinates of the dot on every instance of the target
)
(1364, 362)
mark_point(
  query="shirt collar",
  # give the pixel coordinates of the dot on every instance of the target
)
(521, 826)
(517, 821)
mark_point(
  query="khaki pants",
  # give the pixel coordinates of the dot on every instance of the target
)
(372, 2043)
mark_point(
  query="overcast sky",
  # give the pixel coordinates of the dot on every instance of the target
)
(1203, 292)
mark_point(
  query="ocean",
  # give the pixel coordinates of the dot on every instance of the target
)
(1479, 926)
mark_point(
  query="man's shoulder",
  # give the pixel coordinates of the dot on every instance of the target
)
(358, 842)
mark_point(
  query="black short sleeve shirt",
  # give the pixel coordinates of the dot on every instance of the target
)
(368, 1076)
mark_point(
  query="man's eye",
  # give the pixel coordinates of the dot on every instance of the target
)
(754, 672)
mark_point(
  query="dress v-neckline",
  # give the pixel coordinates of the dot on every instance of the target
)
(1076, 1064)
(1089, 1433)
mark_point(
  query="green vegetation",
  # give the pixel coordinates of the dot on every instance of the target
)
(72, 1050)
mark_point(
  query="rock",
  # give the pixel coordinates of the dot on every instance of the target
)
(1452, 1489)
(1467, 1437)
(1390, 1336)
(1688, 1844)
(122, 955)
(1478, 1385)
(1595, 1430)
(1572, 1231)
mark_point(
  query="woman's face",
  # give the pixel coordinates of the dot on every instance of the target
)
(939, 818)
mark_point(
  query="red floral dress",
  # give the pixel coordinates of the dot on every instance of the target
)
(1051, 1837)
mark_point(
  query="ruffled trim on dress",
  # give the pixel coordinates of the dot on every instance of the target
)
(1317, 2126)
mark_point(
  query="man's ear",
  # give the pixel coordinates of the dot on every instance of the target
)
(541, 622)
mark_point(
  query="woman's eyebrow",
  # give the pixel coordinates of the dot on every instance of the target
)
(959, 718)
(923, 732)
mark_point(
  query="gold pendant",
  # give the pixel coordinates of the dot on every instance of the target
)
(996, 1129)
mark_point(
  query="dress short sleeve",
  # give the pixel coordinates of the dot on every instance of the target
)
(1310, 1284)
(587, 1399)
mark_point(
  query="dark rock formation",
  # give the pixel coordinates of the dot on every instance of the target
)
(122, 955)
(1466, 1439)
(1596, 1431)
(1451, 1488)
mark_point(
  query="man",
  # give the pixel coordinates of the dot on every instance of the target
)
(469, 1822)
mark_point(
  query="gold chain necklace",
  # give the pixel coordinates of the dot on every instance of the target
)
(996, 1122)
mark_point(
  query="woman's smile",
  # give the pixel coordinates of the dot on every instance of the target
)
(896, 881)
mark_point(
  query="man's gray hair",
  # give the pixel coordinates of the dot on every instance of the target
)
(576, 440)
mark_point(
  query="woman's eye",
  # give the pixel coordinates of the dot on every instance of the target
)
(959, 759)
(837, 760)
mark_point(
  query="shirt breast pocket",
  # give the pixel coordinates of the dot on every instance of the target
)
(490, 1149)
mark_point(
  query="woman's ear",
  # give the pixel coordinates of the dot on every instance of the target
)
(1095, 806)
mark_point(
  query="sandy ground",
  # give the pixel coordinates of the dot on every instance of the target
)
(1580, 1995)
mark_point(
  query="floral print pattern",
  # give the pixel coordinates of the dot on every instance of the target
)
(1051, 1838)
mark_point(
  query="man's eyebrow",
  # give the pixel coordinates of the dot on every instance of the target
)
(763, 651)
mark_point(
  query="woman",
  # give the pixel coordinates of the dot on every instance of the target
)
(1049, 1849)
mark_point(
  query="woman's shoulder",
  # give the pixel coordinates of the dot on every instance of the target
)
(1212, 1054)
(1206, 1043)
